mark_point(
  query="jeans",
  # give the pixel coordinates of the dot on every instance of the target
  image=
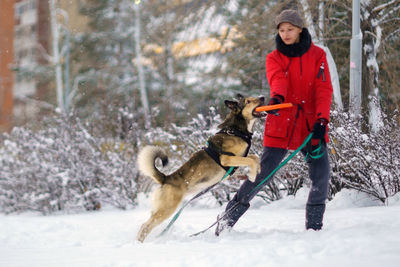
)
(319, 173)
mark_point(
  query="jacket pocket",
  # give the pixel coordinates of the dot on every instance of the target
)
(277, 126)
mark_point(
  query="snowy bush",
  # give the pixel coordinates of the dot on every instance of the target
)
(64, 167)
(72, 165)
(360, 159)
(368, 162)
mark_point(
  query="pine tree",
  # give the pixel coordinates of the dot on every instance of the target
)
(106, 54)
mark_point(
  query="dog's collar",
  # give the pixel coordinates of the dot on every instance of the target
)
(246, 136)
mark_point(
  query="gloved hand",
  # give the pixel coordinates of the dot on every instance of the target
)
(319, 129)
(276, 99)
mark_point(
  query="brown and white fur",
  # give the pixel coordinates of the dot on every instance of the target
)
(200, 171)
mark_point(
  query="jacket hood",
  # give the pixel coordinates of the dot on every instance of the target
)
(297, 49)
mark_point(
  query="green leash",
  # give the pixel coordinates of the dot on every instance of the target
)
(319, 155)
(196, 196)
(316, 153)
(283, 163)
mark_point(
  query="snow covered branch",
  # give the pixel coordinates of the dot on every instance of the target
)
(385, 6)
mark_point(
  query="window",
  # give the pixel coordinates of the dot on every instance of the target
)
(22, 7)
(19, 9)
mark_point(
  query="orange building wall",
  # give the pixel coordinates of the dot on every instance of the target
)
(6, 59)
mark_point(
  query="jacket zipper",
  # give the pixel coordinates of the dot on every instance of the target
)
(287, 68)
(301, 68)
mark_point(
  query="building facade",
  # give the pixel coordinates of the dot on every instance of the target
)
(6, 60)
(31, 51)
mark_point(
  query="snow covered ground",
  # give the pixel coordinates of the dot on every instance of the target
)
(357, 232)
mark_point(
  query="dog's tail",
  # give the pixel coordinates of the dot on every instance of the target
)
(146, 162)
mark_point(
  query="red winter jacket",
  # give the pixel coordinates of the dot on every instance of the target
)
(304, 81)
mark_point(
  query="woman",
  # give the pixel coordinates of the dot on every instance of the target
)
(297, 72)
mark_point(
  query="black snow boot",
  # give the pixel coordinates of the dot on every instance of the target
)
(314, 216)
(232, 216)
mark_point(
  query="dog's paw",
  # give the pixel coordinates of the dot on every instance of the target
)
(254, 157)
(252, 176)
(140, 238)
(256, 167)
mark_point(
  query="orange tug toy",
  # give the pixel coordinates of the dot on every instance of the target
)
(274, 107)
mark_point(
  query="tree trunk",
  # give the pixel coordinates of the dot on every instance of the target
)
(372, 42)
(142, 82)
(56, 54)
(170, 83)
(372, 81)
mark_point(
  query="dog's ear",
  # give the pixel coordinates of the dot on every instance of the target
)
(240, 97)
(233, 105)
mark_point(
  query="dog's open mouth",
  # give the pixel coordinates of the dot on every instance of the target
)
(259, 114)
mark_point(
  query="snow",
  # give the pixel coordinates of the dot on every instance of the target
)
(357, 232)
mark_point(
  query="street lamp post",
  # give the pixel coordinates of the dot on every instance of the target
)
(66, 53)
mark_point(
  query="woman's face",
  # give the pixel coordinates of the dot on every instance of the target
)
(289, 33)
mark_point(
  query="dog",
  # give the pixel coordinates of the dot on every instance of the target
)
(227, 148)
